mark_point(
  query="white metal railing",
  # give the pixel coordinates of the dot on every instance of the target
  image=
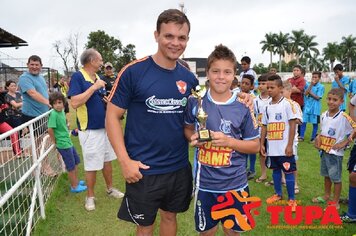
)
(27, 179)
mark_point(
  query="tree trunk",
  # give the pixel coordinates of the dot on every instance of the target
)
(270, 59)
(350, 64)
(280, 62)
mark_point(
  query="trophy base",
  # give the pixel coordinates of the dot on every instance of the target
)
(204, 135)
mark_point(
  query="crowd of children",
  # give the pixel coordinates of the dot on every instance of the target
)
(278, 117)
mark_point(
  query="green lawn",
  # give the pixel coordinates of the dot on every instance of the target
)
(65, 213)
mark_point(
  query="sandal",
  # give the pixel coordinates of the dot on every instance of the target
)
(260, 180)
(334, 204)
(269, 183)
(319, 200)
(296, 190)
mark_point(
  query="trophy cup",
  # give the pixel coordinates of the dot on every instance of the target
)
(202, 116)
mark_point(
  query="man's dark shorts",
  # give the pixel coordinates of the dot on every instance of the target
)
(170, 192)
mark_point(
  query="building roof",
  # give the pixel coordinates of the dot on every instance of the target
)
(9, 40)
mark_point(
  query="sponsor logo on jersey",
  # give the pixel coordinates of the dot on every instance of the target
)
(165, 105)
(225, 126)
(182, 86)
(210, 155)
(275, 130)
(286, 165)
(139, 216)
(327, 143)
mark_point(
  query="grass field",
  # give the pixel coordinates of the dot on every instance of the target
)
(65, 213)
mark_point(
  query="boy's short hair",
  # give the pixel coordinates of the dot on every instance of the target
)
(287, 85)
(318, 73)
(249, 77)
(246, 59)
(263, 77)
(338, 92)
(53, 97)
(338, 67)
(172, 15)
(299, 67)
(221, 52)
(276, 78)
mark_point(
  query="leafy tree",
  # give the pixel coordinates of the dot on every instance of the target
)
(348, 48)
(296, 39)
(309, 46)
(260, 69)
(111, 49)
(331, 53)
(269, 44)
(282, 46)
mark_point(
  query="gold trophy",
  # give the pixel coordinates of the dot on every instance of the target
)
(202, 116)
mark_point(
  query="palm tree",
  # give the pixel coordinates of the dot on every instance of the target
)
(331, 52)
(309, 46)
(269, 45)
(296, 43)
(281, 44)
(318, 63)
(348, 46)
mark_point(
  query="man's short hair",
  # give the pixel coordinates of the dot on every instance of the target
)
(34, 58)
(221, 52)
(172, 15)
(338, 67)
(263, 77)
(246, 59)
(88, 55)
(276, 78)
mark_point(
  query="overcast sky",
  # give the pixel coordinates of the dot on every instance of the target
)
(240, 25)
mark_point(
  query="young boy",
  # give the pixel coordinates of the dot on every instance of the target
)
(221, 162)
(279, 124)
(336, 125)
(341, 81)
(287, 91)
(247, 86)
(58, 131)
(247, 70)
(314, 92)
(260, 103)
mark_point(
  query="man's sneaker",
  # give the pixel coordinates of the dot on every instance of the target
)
(251, 175)
(293, 204)
(81, 182)
(347, 219)
(113, 192)
(78, 189)
(273, 199)
(90, 203)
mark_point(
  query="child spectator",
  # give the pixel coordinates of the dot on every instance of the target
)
(247, 70)
(235, 86)
(247, 86)
(341, 81)
(279, 125)
(234, 132)
(58, 131)
(287, 91)
(336, 125)
(259, 104)
(314, 92)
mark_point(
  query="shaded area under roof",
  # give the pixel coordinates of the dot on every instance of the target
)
(9, 40)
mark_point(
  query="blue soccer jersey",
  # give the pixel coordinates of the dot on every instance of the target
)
(155, 99)
(220, 169)
(312, 106)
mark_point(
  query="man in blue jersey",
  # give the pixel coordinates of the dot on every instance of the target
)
(86, 93)
(153, 155)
